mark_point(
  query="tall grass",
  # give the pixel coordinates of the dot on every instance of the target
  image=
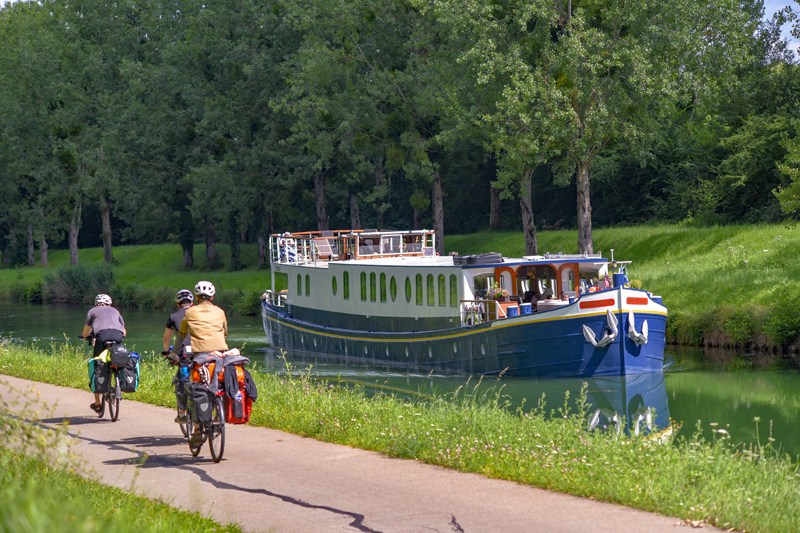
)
(749, 488)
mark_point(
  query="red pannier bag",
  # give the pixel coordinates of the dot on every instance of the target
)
(237, 410)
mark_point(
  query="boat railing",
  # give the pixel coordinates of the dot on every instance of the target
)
(474, 312)
(292, 250)
(275, 299)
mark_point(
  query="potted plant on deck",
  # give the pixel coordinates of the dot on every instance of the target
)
(498, 294)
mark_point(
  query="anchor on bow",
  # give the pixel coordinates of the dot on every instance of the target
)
(609, 334)
(638, 338)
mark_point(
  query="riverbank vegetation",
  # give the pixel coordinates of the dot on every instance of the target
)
(750, 488)
(41, 489)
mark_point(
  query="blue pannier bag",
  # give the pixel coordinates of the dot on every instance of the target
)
(98, 376)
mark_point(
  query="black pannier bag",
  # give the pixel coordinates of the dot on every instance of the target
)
(200, 402)
(100, 378)
(120, 356)
(130, 376)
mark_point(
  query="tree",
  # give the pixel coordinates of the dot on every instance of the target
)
(580, 76)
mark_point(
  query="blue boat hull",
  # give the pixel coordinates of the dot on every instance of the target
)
(538, 345)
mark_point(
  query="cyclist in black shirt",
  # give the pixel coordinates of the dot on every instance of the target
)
(184, 299)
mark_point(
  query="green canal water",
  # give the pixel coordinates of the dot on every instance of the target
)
(719, 389)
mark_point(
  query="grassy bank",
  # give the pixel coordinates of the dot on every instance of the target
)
(142, 277)
(724, 286)
(749, 488)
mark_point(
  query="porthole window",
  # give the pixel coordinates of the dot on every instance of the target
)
(453, 291)
(346, 285)
(393, 288)
(408, 289)
(431, 295)
(308, 285)
(442, 291)
(333, 285)
(372, 288)
(299, 285)
(383, 287)
(419, 289)
(363, 286)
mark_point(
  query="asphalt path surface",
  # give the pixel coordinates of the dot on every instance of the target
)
(274, 481)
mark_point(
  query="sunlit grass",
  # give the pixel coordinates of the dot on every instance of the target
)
(748, 488)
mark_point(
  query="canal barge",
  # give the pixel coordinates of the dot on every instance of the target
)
(387, 297)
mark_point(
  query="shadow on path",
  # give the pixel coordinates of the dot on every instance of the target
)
(145, 460)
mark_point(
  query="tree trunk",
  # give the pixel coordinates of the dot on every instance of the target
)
(11, 245)
(438, 212)
(233, 239)
(355, 218)
(528, 225)
(74, 228)
(105, 215)
(585, 241)
(31, 249)
(494, 209)
(319, 194)
(379, 184)
(417, 219)
(211, 254)
(263, 253)
(188, 255)
(43, 251)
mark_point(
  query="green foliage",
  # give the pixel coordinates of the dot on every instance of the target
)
(782, 324)
(739, 325)
(76, 285)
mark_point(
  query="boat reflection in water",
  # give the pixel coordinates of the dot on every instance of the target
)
(635, 404)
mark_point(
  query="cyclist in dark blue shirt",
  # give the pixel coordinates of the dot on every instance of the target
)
(184, 300)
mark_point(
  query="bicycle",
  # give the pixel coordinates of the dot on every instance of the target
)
(213, 432)
(185, 429)
(113, 393)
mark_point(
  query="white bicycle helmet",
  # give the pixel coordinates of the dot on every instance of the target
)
(184, 295)
(102, 299)
(204, 289)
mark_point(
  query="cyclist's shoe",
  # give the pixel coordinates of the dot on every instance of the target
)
(181, 419)
(96, 408)
(196, 440)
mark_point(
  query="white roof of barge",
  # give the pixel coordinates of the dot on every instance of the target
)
(447, 261)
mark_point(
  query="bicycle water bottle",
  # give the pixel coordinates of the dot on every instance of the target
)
(184, 370)
(238, 408)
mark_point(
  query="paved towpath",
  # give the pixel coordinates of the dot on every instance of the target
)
(274, 481)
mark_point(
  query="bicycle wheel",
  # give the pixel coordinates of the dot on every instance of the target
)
(102, 410)
(114, 394)
(216, 434)
(186, 428)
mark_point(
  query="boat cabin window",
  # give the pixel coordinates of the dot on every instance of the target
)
(453, 290)
(442, 291)
(390, 244)
(393, 288)
(346, 285)
(481, 284)
(408, 289)
(299, 285)
(333, 285)
(567, 280)
(308, 285)
(372, 290)
(383, 287)
(419, 289)
(363, 286)
(431, 295)
(412, 243)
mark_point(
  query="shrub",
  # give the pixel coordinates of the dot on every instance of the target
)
(783, 322)
(77, 285)
(739, 326)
